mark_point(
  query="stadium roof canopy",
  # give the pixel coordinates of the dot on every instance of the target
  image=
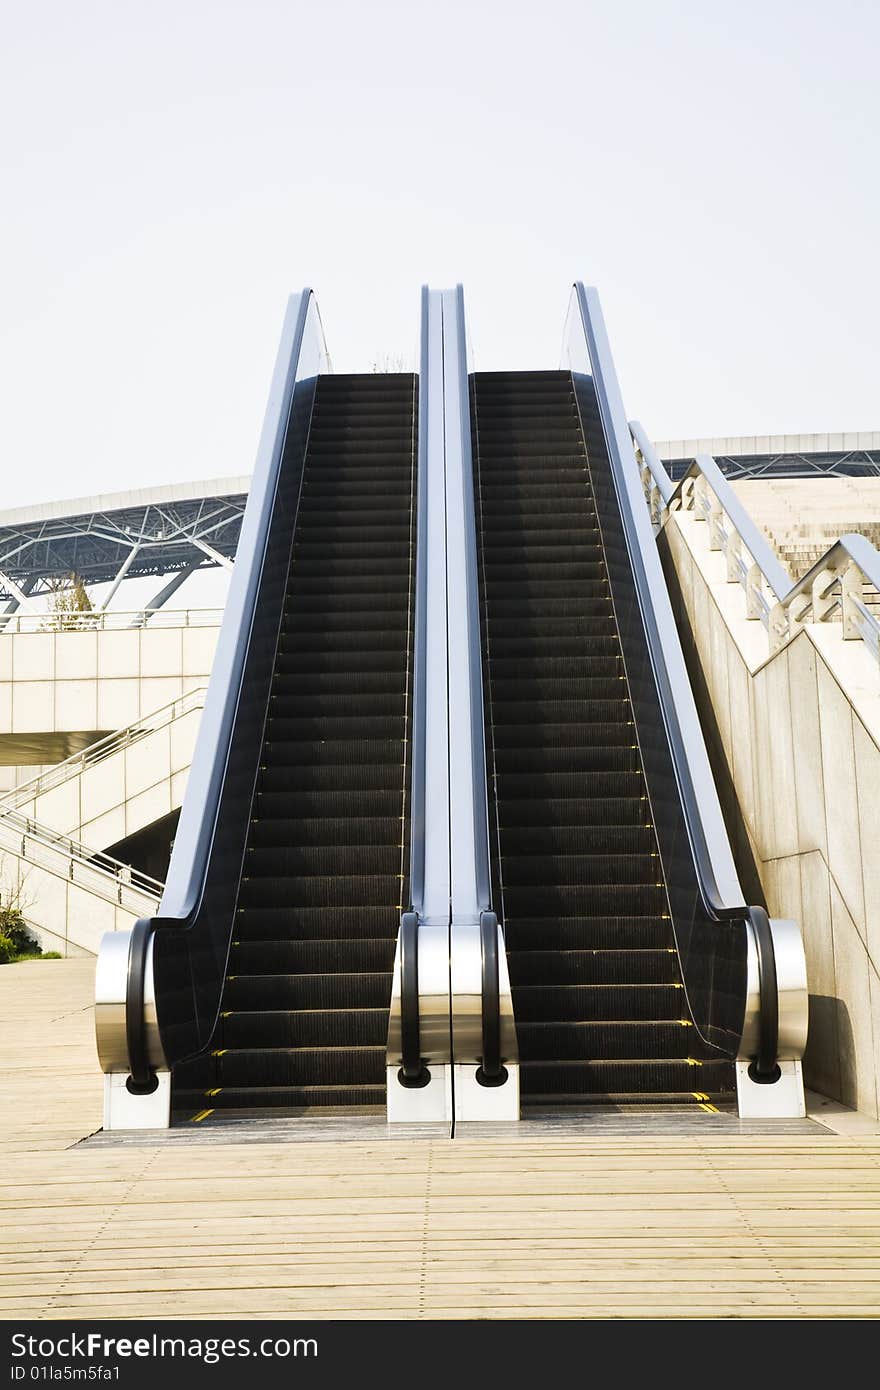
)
(850, 455)
(172, 530)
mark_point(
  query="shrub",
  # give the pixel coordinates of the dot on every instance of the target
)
(15, 939)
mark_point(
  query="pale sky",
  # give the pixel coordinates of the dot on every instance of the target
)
(169, 172)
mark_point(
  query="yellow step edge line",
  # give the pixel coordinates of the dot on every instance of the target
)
(202, 1115)
(710, 1109)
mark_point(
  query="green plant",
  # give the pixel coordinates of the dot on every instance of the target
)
(16, 941)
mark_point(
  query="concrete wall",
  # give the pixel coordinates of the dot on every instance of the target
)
(796, 741)
(53, 682)
(133, 787)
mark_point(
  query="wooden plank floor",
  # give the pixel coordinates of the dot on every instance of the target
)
(710, 1223)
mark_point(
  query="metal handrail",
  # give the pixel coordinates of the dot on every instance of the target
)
(103, 748)
(75, 852)
(95, 620)
(851, 562)
(674, 692)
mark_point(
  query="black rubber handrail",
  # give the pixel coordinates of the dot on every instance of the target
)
(491, 1071)
(412, 1072)
(764, 1067)
(142, 1080)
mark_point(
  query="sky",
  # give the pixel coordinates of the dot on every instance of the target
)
(170, 172)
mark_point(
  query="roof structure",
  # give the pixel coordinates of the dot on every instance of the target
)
(850, 455)
(172, 530)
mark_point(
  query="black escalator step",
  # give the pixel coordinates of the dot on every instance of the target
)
(553, 966)
(319, 565)
(248, 1099)
(597, 935)
(622, 775)
(300, 1066)
(366, 539)
(582, 543)
(603, 1041)
(542, 565)
(353, 753)
(364, 497)
(557, 1081)
(564, 605)
(306, 861)
(389, 620)
(585, 899)
(310, 956)
(316, 923)
(295, 645)
(597, 1002)
(297, 803)
(327, 831)
(360, 585)
(304, 1028)
(332, 890)
(515, 762)
(605, 724)
(503, 497)
(330, 991)
(363, 654)
(640, 1102)
(525, 814)
(507, 511)
(580, 667)
(331, 778)
(345, 515)
(347, 685)
(605, 681)
(602, 869)
(608, 838)
(282, 729)
(322, 704)
(538, 649)
(542, 627)
(522, 588)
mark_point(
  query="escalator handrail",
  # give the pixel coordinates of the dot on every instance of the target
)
(482, 891)
(191, 854)
(410, 1021)
(673, 693)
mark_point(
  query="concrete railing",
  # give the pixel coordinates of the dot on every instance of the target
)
(116, 742)
(97, 621)
(843, 585)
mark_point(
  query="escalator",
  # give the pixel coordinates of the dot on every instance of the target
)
(596, 980)
(304, 1010)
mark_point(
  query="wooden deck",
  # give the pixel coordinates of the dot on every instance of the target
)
(613, 1220)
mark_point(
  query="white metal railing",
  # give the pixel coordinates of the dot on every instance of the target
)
(66, 858)
(103, 748)
(94, 620)
(843, 585)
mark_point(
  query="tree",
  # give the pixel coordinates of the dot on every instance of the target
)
(67, 596)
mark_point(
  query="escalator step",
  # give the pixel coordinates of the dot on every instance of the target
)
(366, 990)
(305, 1028)
(248, 1099)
